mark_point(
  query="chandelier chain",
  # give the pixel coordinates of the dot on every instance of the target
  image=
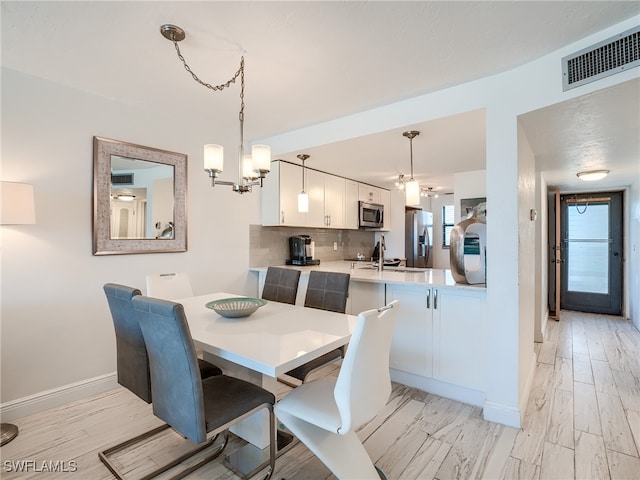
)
(222, 86)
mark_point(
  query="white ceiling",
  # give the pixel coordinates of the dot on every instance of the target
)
(309, 62)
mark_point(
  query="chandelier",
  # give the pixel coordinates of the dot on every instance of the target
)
(251, 168)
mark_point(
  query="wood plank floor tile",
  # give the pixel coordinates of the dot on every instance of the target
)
(615, 428)
(603, 378)
(461, 459)
(582, 369)
(530, 440)
(548, 352)
(427, 460)
(629, 389)
(563, 374)
(520, 470)
(633, 418)
(560, 427)
(623, 467)
(557, 462)
(585, 409)
(590, 457)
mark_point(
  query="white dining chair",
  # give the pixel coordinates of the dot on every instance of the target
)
(169, 286)
(324, 414)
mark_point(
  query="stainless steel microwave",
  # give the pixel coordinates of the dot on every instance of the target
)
(371, 215)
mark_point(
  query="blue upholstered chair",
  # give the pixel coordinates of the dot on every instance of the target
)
(132, 365)
(190, 405)
(325, 413)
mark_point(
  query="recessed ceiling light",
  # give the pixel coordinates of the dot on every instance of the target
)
(593, 175)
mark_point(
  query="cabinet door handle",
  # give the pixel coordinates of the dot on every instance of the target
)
(429, 298)
(435, 299)
(282, 215)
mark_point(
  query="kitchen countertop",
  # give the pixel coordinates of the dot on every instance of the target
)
(365, 272)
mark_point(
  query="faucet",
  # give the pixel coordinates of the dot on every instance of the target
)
(381, 250)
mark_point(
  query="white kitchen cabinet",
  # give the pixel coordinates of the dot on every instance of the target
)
(279, 196)
(369, 193)
(326, 200)
(411, 344)
(459, 338)
(334, 198)
(314, 181)
(351, 204)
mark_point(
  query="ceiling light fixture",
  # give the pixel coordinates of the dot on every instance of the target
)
(303, 197)
(250, 167)
(428, 192)
(412, 187)
(400, 182)
(592, 175)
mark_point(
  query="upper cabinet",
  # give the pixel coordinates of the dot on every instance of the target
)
(333, 200)
(371, 194)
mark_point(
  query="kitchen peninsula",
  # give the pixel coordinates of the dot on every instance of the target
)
(439, 342)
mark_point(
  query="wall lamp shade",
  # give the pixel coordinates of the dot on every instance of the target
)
(592, 175)
(18, 207)
(412, 192)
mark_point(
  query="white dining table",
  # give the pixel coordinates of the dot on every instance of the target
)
(270, 342)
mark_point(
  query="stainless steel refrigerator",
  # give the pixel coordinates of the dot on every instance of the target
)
(418, 238)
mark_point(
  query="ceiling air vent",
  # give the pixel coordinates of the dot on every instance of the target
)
(122, 179)
(605, 58)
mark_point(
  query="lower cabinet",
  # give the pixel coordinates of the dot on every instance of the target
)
(459, 338)
(440, 334)
(411, 345)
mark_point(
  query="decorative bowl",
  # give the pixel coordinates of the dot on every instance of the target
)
(236, 307)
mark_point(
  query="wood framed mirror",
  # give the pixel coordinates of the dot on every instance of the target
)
(139, 199)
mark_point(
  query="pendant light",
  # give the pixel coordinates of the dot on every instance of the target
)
(411, 187)
(251, 168)
(303, 197)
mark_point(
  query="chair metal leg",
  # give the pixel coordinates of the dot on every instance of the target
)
(104, 455)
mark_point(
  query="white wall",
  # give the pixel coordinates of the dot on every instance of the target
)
(56, 328)
(528, 262)
(468, 185)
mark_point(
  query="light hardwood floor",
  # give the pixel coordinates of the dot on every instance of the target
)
(582, 422)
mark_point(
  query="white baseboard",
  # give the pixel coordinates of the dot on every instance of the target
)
(443, 389)
(58, 396)
(503, 414)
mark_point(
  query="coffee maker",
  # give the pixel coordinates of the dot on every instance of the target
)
(301, 251)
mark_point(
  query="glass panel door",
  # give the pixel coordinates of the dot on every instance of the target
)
(591, 252)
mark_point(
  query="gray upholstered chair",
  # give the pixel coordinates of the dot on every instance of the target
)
(281, 285)
(190, 405)
(326, 291)
(132, 365)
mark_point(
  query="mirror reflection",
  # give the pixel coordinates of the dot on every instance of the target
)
(141, 199)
